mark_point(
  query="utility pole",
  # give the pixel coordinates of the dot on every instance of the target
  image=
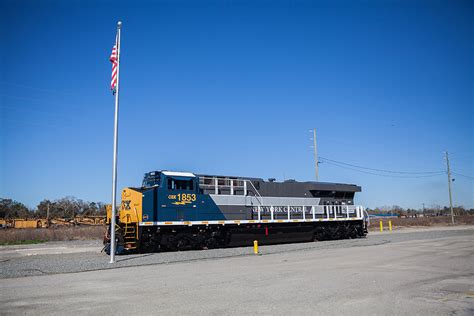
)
(48, 222)
(316, 166)
(449, 187)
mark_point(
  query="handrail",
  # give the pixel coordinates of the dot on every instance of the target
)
(136, 230)
(366, 217)
(326, 211)
(256, 191)
(233, 184)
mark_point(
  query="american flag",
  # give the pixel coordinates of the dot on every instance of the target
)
(114, 61)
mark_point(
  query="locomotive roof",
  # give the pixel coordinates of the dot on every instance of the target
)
(178, 174)
(324, 186)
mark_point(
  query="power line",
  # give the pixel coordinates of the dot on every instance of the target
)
(462, 175)
(384, 175)
(382, 170)
(462, 153)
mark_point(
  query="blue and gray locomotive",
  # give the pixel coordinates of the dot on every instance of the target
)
(181, 210)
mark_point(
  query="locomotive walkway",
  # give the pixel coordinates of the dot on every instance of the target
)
(422, 272)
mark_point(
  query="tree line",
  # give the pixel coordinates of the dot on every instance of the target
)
(67, 207)
(435, 210)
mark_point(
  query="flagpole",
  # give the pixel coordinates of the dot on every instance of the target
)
(114, 176)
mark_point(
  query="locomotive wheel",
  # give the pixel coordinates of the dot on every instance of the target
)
(181, 242)
(333, 232)
(119, 244)
(211, 243)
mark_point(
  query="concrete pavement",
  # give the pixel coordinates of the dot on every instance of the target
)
(433, 276)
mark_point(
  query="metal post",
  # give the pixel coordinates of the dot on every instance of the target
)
(449, 188)
(258, 213)
(255, 247)
(114, 174)
(231, 187)
(304, 213)
(289, 216)
(271, 212)
(312, 211)
(316, 155)
(245, 187)
(216, 189)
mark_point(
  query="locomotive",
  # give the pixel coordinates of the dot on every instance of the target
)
(182, 210)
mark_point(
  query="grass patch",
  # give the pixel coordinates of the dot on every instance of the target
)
(421, 221)
(32, 235)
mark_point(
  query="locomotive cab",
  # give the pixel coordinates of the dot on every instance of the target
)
(177, 196)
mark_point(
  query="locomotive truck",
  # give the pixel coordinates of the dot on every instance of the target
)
(182, 210)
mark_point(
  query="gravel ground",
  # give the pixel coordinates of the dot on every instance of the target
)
(79, 256)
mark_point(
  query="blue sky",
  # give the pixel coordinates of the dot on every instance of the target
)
(233, 87)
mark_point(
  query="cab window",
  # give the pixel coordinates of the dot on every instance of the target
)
(175, 184)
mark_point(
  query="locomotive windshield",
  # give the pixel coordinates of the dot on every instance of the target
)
(151, 179)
